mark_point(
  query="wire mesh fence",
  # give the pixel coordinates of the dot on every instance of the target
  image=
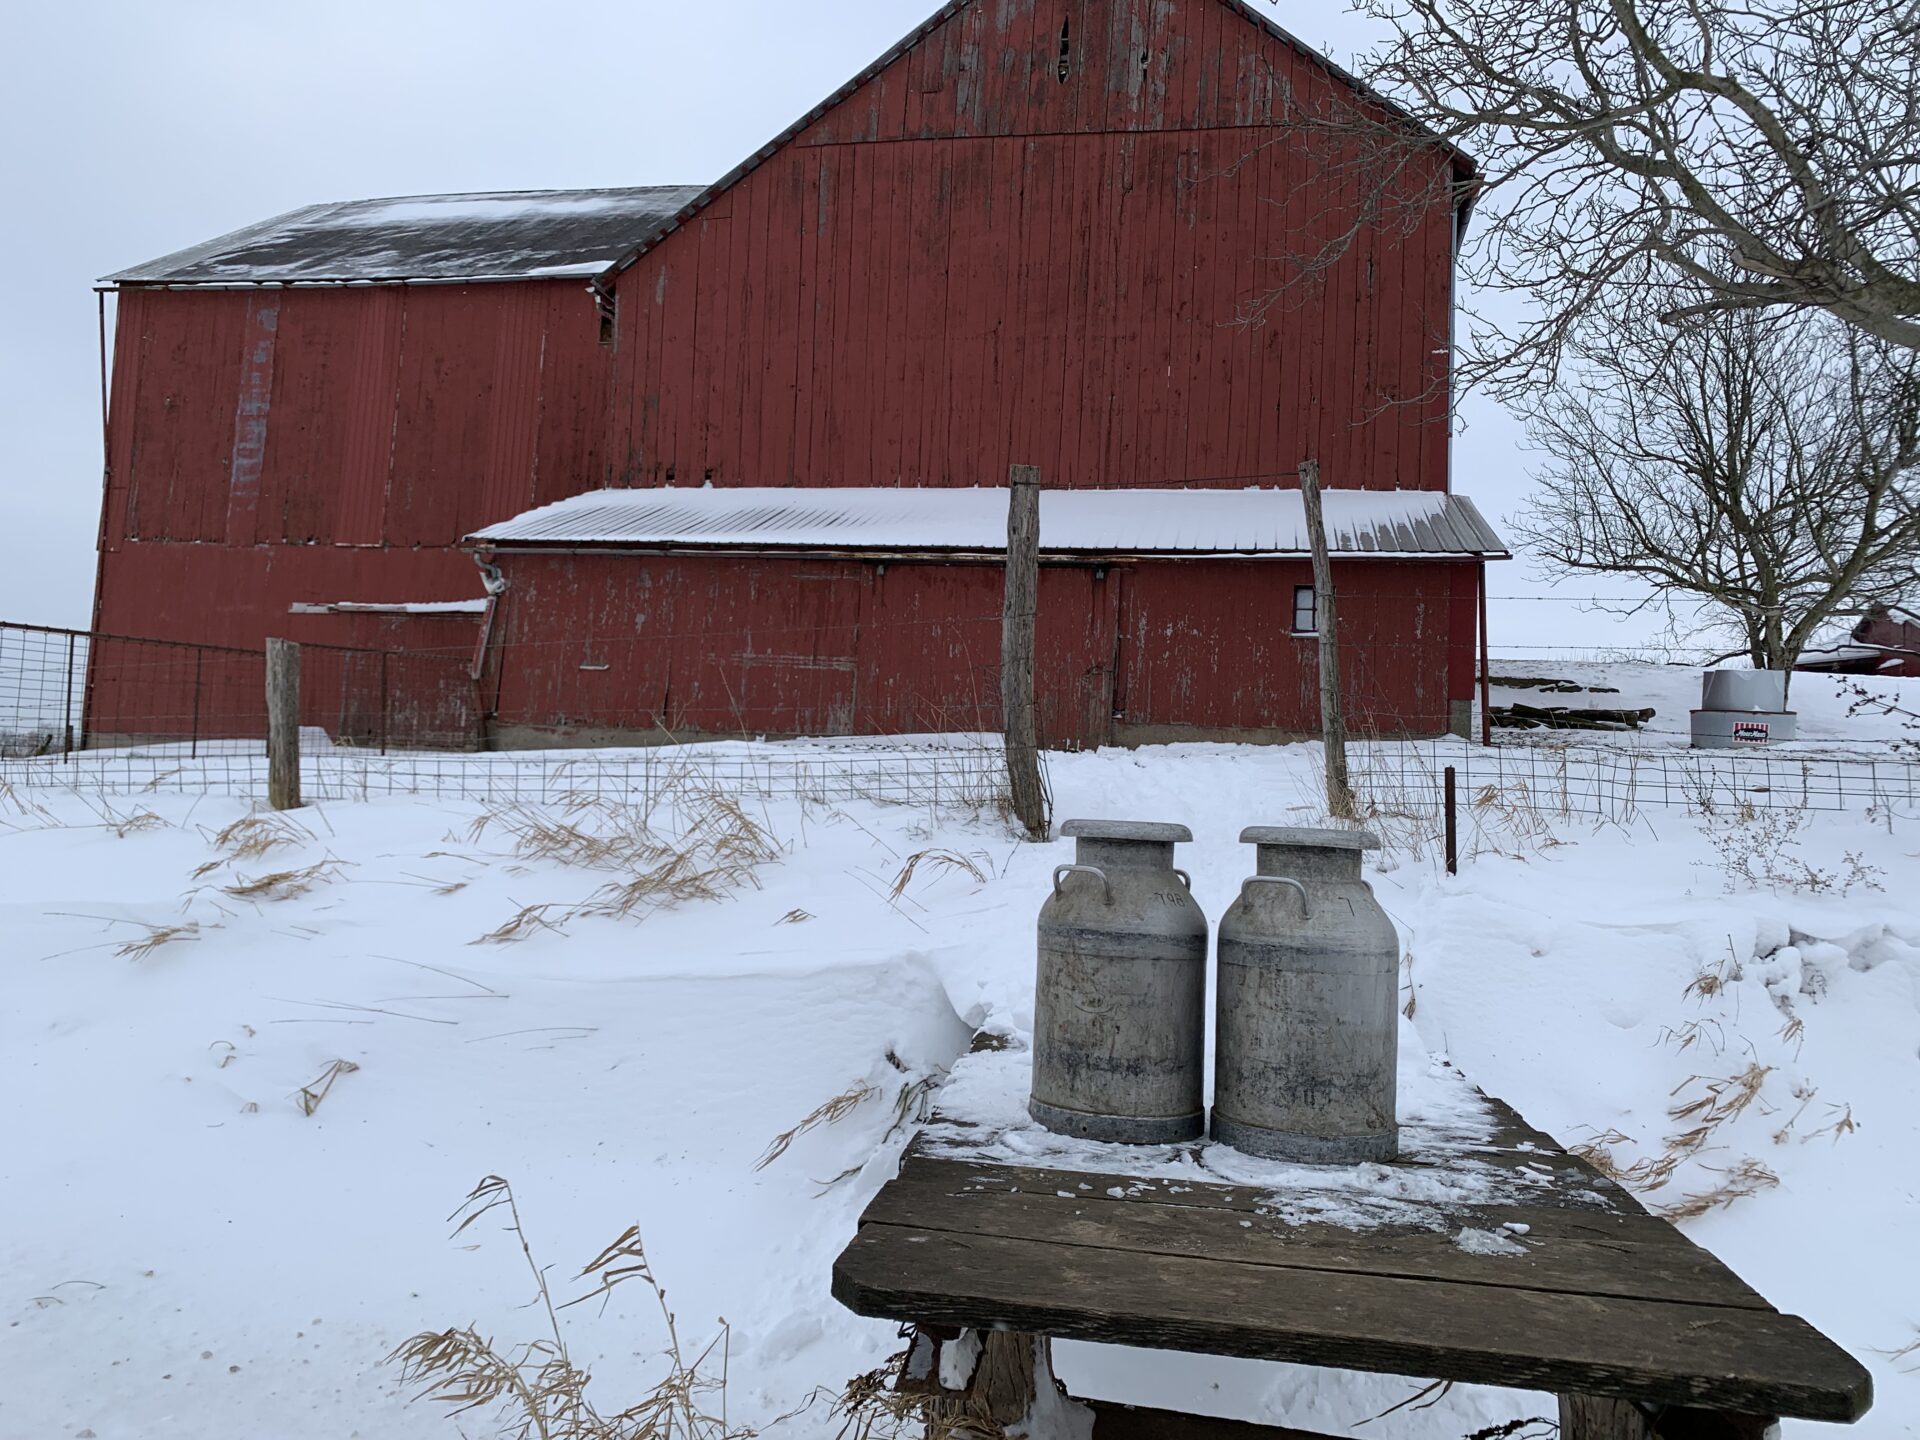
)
(947, 774)
(1616, 784)
(67, 693)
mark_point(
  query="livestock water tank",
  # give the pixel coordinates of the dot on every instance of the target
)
(1743, 708)
(1120, 1019)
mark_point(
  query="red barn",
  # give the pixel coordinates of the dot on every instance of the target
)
(1036, 231)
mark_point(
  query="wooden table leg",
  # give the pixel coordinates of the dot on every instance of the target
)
(1595, 1417)
(998, 1379)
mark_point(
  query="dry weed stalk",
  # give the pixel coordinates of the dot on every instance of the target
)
(1748, 1177)
(795, 917)
(715, 854)
(536, 1388)
(938, 860)
(828, 1112)
(314, 1091)
(253, 837)
(156, 936)
(1758, 848)
(285, 884)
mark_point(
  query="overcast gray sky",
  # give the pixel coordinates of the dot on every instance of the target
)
(133, 129)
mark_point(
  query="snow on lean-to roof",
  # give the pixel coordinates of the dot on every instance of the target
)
(520, 235)
(1114, 522)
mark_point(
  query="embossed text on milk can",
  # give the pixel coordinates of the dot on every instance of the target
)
(1307, 1013)
(1119, 1044)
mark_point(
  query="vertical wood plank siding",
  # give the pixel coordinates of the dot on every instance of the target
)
(968, 263)
(607, 647)
(382, 425)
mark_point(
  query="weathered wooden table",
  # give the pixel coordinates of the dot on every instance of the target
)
(1486, 1254)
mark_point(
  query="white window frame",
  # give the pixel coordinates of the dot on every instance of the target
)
(1312, 600)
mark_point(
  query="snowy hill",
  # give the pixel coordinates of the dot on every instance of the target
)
(217, 1227)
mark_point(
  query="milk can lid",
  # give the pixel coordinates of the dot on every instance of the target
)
(1305, 837)
(1125, 830)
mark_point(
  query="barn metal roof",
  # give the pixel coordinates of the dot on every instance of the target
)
(974, 521)
(518, 235)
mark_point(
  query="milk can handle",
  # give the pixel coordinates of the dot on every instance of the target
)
(1186, 880)
(1083, 870)
(1306, 910)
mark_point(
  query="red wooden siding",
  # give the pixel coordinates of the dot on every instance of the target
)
(603, 647)
(264, 443)
(968, 262)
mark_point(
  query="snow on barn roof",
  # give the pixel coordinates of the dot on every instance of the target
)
(974, 521)
(520, 235)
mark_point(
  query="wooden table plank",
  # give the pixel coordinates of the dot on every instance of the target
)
(1568, 1251)
(1715, 1357)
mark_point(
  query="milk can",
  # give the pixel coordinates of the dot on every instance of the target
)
(1119, 1017)
(1307, 1025)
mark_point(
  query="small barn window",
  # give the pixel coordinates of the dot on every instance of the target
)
(1306, 616)
(1066, 49)
(608, 317)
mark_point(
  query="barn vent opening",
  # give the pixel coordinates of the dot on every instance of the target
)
(606, 327)
(1066, 49)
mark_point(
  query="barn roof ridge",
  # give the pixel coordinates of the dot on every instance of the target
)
(1242, 8)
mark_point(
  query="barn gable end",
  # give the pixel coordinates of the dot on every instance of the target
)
(1015, 241)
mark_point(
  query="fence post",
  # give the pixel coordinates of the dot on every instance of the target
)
(1333, 723)
(66, 710)
(1016, 650)
(199, 659)
(283, 725)
(384, 723)
(1453, 822)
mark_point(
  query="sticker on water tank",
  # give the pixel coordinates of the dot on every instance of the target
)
(1751, 732)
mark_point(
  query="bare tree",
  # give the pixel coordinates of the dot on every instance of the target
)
(1630, 144)
(1766, 464)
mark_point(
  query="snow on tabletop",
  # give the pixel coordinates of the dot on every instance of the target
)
(1446, 1132)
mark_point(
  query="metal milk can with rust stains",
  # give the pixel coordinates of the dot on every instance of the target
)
(1119, 1019)
(1307, 1021)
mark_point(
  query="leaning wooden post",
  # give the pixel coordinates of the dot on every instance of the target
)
(1333, 724)
(1016, 650)
(283, 725)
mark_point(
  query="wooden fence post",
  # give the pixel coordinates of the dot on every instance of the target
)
(1333, 724)
(283, 725)
(1028, 796)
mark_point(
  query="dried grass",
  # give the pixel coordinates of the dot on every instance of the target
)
(157, 936)
(535, 1391)
(285, 884)
(938, 861)
(309, 1096)
(254, 837)
(1749, 1177)
(715, 852)
(795, 917)
(828, 1112)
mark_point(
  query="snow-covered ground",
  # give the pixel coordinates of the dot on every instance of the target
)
(188, 1253)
